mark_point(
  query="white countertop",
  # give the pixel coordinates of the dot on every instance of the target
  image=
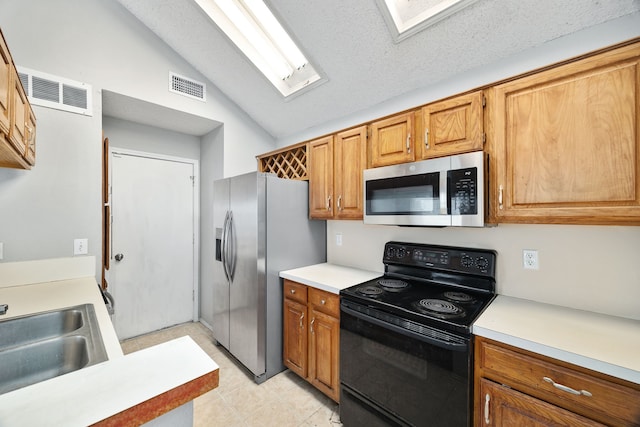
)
(329, 277)
(603, 343)
(97, 392)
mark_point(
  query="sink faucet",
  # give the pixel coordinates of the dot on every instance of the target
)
(4, 308)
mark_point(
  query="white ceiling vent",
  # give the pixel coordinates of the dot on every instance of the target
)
(56, 92)
(187, 87)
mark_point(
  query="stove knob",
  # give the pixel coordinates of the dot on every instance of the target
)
(466, 261)
(391, 252)
(401, 253)
(482, 263)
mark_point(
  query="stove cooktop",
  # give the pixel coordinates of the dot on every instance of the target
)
(439, 286)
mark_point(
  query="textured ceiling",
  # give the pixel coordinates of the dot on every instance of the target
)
(350, 43)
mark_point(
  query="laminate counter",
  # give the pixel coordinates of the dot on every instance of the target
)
(329, 277)
(599, 342)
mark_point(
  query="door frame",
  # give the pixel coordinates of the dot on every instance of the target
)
(196, 212)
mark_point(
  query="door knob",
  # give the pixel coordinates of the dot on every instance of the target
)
(119, 257)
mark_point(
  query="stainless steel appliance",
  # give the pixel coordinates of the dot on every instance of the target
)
(262, 227)
(446, 191)
(406, 355)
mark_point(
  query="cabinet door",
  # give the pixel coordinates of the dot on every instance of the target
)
(392, 140)
(453, 126)
(567, 144)
(30, 153)
(6, 68)
(19, 116)
(503, 406)
(321, 178)
(324, 353)
(295, 337)
(350, 159)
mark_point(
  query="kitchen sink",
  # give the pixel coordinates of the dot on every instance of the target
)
(45, 345)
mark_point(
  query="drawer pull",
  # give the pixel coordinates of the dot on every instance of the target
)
(323, 302)
(567, 389)
(487, 398)
(293, 291)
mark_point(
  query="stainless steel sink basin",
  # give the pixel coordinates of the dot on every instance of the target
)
(45, 345)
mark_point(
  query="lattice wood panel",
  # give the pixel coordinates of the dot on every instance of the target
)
(290, 163)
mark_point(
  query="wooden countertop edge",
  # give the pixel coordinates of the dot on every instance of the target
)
(163, 403)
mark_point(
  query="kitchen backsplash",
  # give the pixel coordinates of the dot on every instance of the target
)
(595, 268)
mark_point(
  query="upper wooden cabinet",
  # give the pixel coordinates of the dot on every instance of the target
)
(392, 140)
(565, 143)
(17, 121)
(320, 172)
(452, 126)
(335, 175)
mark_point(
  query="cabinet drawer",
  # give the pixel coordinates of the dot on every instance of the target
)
(295, 291)
(325, 302)
(597, 398)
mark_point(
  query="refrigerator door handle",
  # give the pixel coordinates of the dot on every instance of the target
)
(223, 252)
(232, 248)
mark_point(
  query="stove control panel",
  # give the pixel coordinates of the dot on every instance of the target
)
(467, 260)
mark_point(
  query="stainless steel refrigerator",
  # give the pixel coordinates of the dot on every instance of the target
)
(262, 227)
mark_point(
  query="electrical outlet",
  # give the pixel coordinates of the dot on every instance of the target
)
(80, 246)
(338, 239)
(530, 259)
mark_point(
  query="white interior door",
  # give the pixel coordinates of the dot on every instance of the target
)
(152, 246)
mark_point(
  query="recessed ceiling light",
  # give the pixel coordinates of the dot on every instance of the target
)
(407, 17)
(254, 29)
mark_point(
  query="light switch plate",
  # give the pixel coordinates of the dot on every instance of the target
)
(338, 239)
(80, 246)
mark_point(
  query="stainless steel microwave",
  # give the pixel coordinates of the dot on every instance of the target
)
(446, 191)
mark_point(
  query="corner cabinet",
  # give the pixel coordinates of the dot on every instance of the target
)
(336, 163)
(17, 121)
(311, 336)
(516, 387)
(393, 140)
(565, 143)
(452, 126)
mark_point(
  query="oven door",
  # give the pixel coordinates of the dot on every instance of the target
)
(407, 194)
(394, 376)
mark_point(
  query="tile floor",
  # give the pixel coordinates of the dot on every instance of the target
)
(283, 400)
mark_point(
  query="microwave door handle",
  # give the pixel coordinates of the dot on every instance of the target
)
(445, 195)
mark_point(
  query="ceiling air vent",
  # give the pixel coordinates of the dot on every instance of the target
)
(56, 92)
(187, 87)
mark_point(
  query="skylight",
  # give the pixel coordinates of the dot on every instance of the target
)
(260, 36)
(407, 17)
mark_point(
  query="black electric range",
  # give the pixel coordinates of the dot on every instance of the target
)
(406, 353)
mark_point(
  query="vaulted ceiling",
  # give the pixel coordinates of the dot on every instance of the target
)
(350, 42)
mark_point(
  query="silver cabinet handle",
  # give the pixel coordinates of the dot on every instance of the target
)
(329, 203)
(426, 138)
(500, 197)
(323, 302)
(293, 291)
(567, 389)
(301, 318)
(312, 321)
(487, 398)
(340, 202)
(409, 143)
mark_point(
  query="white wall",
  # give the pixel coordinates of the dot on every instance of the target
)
(594, 268)
(100, 43)
(138, 137)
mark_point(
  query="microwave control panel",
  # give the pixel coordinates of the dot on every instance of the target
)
(462, 197)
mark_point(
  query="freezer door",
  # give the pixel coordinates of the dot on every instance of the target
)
(220, 283)
(246, 291)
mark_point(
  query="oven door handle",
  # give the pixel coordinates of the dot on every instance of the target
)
(455, 346)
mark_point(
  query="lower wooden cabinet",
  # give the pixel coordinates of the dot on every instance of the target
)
(518, 387)
(311, 336)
